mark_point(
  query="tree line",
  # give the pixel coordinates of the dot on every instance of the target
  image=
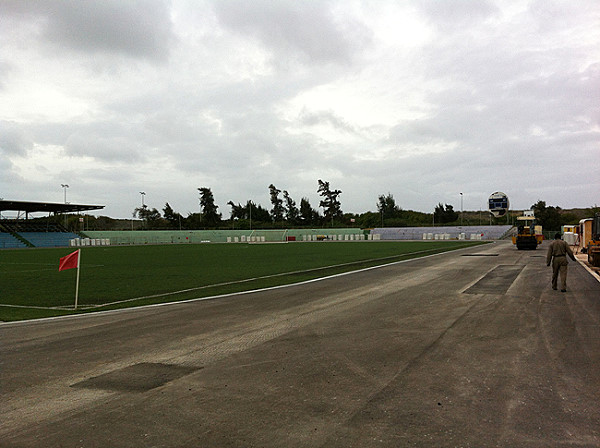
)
(285, 212)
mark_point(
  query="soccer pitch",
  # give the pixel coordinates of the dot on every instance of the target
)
(124, 276)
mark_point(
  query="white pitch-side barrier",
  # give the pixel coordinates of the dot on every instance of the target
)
(79, 242)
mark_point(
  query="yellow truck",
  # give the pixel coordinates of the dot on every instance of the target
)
(529, 235)
(589, 239)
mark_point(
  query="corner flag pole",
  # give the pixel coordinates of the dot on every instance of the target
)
(77, 284)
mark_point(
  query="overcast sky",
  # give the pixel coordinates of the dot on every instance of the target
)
(422, 99)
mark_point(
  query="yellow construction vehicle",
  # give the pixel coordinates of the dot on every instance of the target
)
(529, 235)
(589, 239)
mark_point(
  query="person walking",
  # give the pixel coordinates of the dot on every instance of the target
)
(557, 254)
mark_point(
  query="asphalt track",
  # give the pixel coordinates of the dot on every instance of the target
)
(466, 349)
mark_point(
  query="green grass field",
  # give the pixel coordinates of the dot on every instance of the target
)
(115, 277)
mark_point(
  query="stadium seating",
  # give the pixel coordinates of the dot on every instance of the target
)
(7, 241)
(48, 239)
(31, 226)
(416, 233)
(37, 233)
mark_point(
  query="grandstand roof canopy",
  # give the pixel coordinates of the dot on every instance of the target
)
(32, 207)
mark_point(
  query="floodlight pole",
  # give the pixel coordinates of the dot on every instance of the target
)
(461, 209)
(65, 186)
(143, 193)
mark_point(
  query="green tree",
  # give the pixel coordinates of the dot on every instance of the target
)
(308, 215)
(291, 211)
(210, 216)
(150, 217)
(277, 210)
(387, 207)
(547, 216)
(568, 218)
(369, 220)
(444, 214)
(237, 211)
(332, 207)
(250, 211)
(174, 219)
(259, 213)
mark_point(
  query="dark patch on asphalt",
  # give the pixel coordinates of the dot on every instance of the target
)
(137, 378)
(497, 281)
(479, 255)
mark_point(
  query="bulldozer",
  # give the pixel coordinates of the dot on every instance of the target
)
(589, 239)
(529, 235)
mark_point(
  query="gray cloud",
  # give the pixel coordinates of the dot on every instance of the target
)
(306, 30)
(14, 140)
(450, 15)
(136, 28)
(487, 97)
(326, 118)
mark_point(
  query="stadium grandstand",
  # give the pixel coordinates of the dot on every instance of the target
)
(20, 231)
(443, 232)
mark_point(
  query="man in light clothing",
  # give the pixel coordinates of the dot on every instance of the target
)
(557, 254)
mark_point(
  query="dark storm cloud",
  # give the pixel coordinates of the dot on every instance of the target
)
(136, 28)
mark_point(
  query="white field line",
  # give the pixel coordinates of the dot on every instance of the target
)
(82, 307)
(37, 270)
(54, 266)
(37, 264)
(262, 277)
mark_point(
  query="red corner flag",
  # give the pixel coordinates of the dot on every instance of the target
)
(70, 261)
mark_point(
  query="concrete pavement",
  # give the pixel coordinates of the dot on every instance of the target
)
(471, 348)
